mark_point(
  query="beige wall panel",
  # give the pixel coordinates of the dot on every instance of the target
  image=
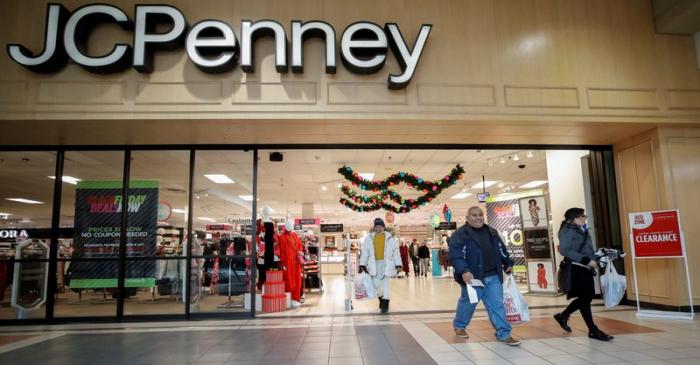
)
(88, 93)
(179, 93)
(456, 95)
(647, 180)
(541, 97)
(684, 99)
(684, 154)
(622, 99)
(284, 93)
(629, 202)
(364, 93)
(13, 92)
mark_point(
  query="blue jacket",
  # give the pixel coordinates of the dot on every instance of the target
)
(465, 253)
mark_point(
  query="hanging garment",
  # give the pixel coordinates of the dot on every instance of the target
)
(290, 249)
(404, 258)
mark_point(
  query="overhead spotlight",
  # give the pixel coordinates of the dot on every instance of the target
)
(324, 188)
(529, 154)
(516, 157)
(503, 160)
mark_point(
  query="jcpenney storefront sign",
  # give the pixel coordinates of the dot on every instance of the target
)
(212, 45)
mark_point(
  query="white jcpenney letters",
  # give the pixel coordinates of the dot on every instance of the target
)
(212, 44)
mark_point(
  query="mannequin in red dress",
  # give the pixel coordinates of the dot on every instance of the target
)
(403, 250)
(291, 250)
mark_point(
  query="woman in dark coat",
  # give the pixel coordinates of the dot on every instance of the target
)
(576, 247)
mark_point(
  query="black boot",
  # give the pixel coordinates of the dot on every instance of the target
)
(381, 301)
(599, 335)
(384, 306)
(562, 322)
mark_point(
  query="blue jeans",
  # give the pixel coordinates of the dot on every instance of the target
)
(492, 295)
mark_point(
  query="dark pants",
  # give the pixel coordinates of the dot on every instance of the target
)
(583, 305)
(416, 265)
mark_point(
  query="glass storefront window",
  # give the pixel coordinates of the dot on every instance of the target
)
(26, 197)
(88, 261)
(222, 213)
(155, 266)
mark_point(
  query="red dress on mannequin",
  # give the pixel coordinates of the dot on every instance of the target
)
(290, 248)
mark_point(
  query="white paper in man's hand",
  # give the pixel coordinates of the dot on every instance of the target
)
(473, 297)
(477, 282)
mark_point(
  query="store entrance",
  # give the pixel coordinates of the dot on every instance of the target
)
(330, 199)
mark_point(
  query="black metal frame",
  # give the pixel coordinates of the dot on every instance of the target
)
(604, 171)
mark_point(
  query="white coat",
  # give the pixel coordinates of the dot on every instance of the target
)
(392, 257)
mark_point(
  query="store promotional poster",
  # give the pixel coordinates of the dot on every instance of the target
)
(98, 212)
(537, 244)
(504, 217)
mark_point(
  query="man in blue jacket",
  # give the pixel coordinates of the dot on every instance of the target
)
(478, 256)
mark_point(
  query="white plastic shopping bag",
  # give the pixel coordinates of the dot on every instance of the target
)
(613, 286)
(364, 288)
(517, 311)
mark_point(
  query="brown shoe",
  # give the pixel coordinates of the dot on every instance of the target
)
(461, 332)
(510, 341)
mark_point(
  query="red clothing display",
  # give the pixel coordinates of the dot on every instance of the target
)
(290, 249)
(403, 250)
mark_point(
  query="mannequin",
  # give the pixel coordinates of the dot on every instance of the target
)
(291, 262)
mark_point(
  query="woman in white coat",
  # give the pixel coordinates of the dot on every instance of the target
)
(380, 258)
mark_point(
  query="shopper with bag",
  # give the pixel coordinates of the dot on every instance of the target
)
(478, 257)
(380, 258)
(579, 265)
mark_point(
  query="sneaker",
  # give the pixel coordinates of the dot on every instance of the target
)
(461, 332)
(510, 341)
(295, 304)
(562, 322)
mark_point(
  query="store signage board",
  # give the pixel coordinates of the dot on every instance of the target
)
(13, 233)
(447, 226)
(331, 228)
(307, 221)
(658, 234)
(212, 44)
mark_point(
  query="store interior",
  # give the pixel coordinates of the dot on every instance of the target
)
(299, 191)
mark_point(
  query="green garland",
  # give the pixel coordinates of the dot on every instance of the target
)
(369, 203)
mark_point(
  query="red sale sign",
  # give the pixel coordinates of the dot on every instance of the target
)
(656, 234)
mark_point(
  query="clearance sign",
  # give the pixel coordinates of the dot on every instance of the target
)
(656, 234)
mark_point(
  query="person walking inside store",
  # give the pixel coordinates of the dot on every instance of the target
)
(479, 257)
(424, 257)
(413, 254)
(380, 258)
(403, 249)
(576, 247)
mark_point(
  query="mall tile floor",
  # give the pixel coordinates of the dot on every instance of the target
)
(358, 339)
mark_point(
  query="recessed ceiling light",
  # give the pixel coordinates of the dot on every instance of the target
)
(25, 201)
(529, 154)
(339, 185)
(367, 175)
(516, 157)
(248, 198)
(207, 219)
(503, 160)
(176, 210)
(220, 179)
(67, 179)
(324, 188)
(460, 195)
(533, 184)
(486, 183)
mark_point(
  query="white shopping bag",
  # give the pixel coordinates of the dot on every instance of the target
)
(364, 288)
(517, 311)
(613, 286)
